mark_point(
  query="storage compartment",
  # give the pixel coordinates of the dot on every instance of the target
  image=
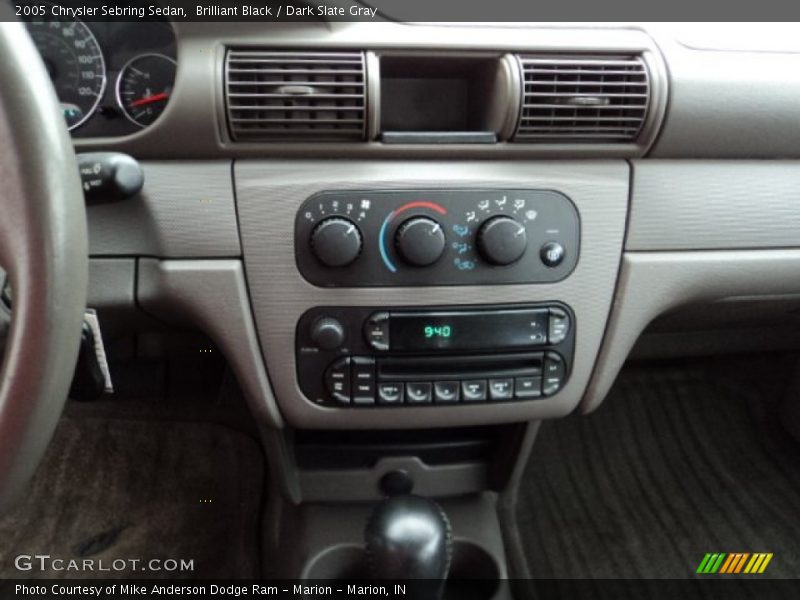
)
(435, 99)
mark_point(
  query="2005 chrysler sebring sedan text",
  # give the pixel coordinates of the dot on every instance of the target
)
(351, 300)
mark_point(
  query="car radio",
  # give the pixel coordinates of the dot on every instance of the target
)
(372, 357)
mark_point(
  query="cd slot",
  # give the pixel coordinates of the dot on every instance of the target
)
(460, 367)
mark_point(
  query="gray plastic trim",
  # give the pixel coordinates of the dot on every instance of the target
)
(652, 283)
(212, 295)
(704, 204)
(269, 193)
(185, 210)
(112, 283)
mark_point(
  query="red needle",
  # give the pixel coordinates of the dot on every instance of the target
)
(150, 99)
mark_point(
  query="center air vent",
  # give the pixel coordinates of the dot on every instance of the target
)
(573, 99)
(295, 96)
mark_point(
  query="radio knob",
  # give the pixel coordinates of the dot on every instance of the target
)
(502, 240)
(327, 333)
(336, 241)
(420, 241)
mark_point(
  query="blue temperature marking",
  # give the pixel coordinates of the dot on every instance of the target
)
(382, 245)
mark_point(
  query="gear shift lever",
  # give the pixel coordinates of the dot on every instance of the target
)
(409, 537)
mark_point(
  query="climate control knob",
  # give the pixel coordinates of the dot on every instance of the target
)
(502, 240)
(336, 241)
(420, 241)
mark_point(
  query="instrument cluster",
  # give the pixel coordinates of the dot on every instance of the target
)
(112, 79)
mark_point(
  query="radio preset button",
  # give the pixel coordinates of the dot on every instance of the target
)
(554, 373)
(501, 389)
(418, 393)
(473, 390)
(527, 388)
(363, 380)
(337, 380)
(376, 331)
(559, 326)
(390, 393)
(445, 392)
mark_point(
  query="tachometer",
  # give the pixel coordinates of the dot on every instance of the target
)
(75, 63)
(144, 87)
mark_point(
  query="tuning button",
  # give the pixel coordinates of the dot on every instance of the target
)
(336, 241)
(327, 333)
(420, 241)
(502, 240)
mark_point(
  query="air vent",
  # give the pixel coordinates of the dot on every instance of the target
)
(582, 99)
(295, 96)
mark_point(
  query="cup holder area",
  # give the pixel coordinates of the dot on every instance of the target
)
(474, 573)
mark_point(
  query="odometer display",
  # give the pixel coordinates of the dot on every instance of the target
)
(75, 63)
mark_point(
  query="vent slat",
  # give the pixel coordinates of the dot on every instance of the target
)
(582, 99)
(261, 107)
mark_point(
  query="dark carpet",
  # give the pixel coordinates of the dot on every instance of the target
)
(676, 463)
(113, 489)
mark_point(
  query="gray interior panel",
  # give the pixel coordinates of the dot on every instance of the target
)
(685, 205)
(653, 283)
(729, 104)
(185, 210)
(212, 295)
(270, 192)
(193, 124)
(111, 283)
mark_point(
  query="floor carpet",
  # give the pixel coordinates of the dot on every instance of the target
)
(677, 463)
(112, 489)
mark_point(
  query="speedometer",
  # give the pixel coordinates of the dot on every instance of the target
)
(75, 63)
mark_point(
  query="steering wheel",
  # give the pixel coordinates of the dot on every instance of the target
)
(43, 248)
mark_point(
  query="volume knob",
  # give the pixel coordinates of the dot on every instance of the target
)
(420, 241)
(502, 240)
(327, 333)
(336, 241)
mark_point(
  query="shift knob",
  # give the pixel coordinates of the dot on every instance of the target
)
(409, 537)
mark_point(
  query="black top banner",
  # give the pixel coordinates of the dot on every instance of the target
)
(508, 12)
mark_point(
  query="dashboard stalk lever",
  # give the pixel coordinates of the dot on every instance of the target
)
(109, 176)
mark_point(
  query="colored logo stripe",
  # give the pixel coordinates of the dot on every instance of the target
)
(734, 563)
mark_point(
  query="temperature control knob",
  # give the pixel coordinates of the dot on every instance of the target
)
(420, 241)
(336, 241)
(502, 240)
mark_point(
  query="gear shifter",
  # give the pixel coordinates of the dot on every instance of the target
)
(409, 537)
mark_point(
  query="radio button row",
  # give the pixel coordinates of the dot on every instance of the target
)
(337, 380)
(390, 393)
(418, 393)
(528, 388)
(501, 389)
(446, 391)
(559, 325)
(473, 390)
(554, 373)
(363, 380)
(376, 331)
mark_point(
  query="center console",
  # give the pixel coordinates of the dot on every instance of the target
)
(428, 294)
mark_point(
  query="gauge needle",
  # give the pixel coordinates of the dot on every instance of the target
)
(150, 99)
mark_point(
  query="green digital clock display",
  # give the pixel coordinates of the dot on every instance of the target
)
(437, 331)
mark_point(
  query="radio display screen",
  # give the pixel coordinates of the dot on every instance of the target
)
(468, 330)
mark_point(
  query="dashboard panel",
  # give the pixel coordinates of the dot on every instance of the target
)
(112, 78)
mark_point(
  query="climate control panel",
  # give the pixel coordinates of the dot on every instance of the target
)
(436, 237)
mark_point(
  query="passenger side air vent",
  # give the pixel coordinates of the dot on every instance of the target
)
(295, 96)
(582, 99)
